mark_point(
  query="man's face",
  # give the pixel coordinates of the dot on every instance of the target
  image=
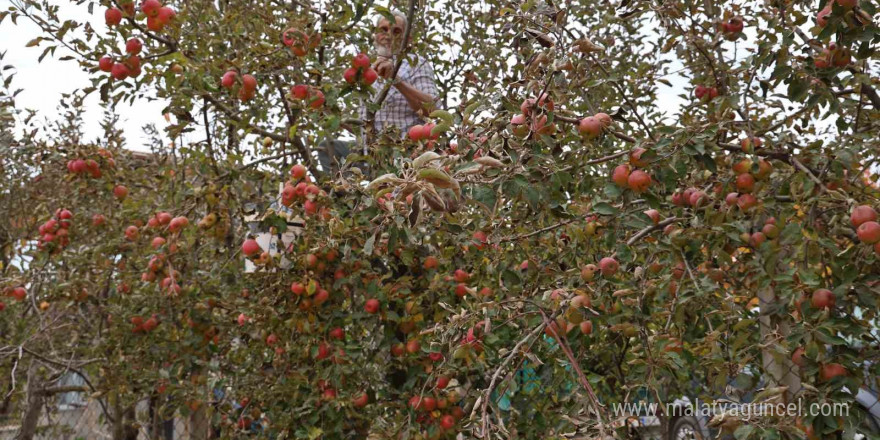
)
(389, 35)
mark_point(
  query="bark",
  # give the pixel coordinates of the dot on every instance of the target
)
(31, 417)
(780, 371)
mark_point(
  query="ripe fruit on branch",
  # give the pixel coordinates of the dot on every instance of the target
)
(705, 94)
(248, 82)
(746, 202)
(178, 223)
(120, 192)
(654, 215)
(317, 100)
(105, 64)
(360, 61)
(608, 266)
(134, 46)
(112, 17)
(822, 298)
(250, 247)
(830, 371)
(869, 232)
(350, 75)
(228, 79)
(639, 181)
(590, 127)
(119, 71)
(372, 306)
(732, 28)
(150, 8)
(749, 145)
(862, 214)
(370, 76)
(297, 41)
(745, 183)
(620, 176)
(635, 157)
(298, 171)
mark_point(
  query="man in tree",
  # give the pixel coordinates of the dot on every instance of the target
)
(410, 98)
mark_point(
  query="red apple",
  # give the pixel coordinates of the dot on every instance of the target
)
(822, 298)
(830, 371)
(745, 183)
(447, 422)
(134, 46)
(250, 247)
(590, 127)
(120, 192)
(822, 17)
(372, 306)
(862, 214)
(869, 232)
(797, 357)
(586, 327)
(112, 17)
(360, 61)
(300, 91)
(350, 75)
(370, 76)
(620, 176)
(317, 100)
(150, 8)
(119, 71)
(361, 400)
(639, 181)
(608, 266)
(105, 64)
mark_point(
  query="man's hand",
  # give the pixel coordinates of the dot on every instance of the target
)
(383, 67)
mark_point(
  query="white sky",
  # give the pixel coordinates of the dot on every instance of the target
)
(43, 83)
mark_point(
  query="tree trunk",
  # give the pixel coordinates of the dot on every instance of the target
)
(34, 406)
(780, 370)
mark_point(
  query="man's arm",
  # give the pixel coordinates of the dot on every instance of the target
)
(419, 101)
(419, 92)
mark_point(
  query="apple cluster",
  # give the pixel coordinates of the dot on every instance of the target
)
(300, 42)
(314, 98)
(300, 189)
(430, 408)
(732, 28)
(864, 219)
(89, 166)
(705, 94)
(159, 266)
(130, 66)
(833, 55)
(17, 293)
(625, 176)
(247, 85)
(158, 16)
(421, 132)
(360, 71)
(533, 117)
(592, 127)
(54, 232)
(144, 326)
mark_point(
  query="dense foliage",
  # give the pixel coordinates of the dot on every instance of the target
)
(562, 218)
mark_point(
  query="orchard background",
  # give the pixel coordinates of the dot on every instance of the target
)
(554, 218)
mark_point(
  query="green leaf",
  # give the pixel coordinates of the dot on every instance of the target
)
(605, 209)
(743, 432)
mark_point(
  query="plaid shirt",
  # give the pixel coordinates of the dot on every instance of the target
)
(395, 111)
